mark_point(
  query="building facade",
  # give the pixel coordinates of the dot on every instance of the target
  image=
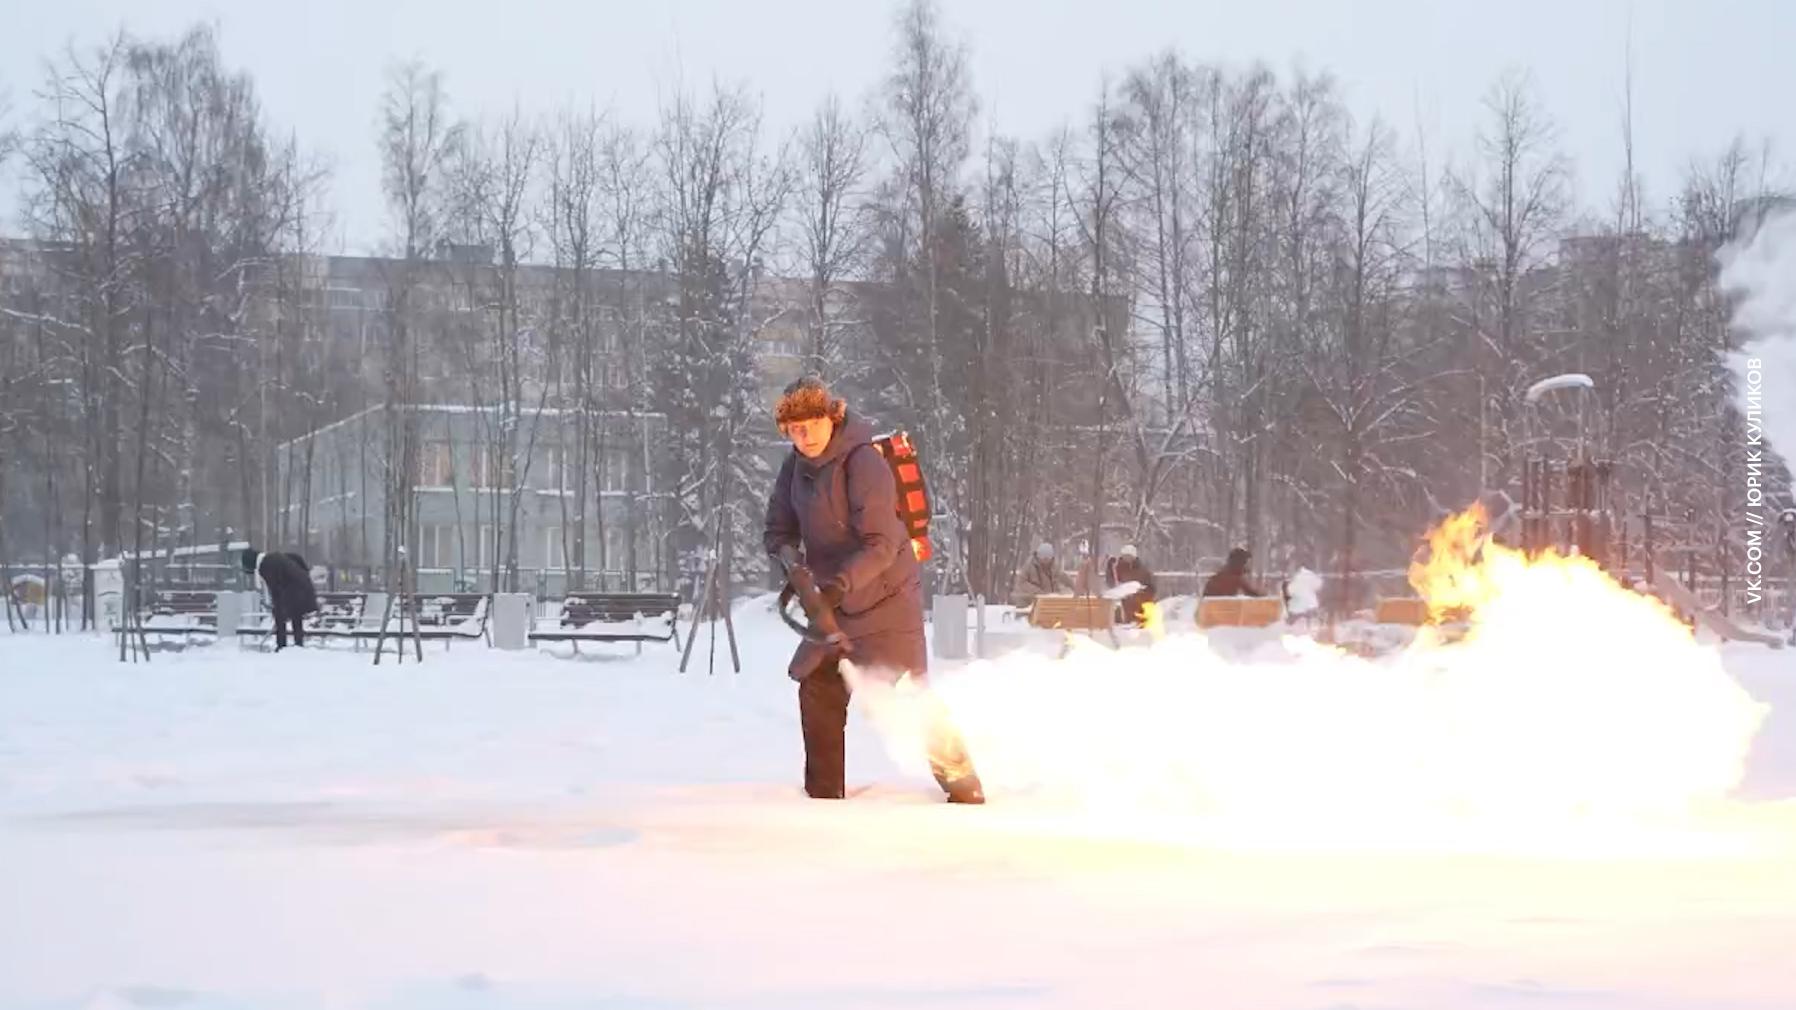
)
(545, 501)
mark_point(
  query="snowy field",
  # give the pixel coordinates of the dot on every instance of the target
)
(223, 828)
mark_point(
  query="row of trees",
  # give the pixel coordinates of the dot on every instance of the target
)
(1216, 308)
(134, 388)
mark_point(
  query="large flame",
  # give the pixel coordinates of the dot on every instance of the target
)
(1568, 698)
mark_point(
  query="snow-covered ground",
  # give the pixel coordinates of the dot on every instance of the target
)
(223, 828)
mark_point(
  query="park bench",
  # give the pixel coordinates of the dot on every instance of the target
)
(339, 615)
(613, 617)
(448, 617)
(1073, 613)
(442, 617)
(1067, 612)
(180, 612)
(1413, 612)
(1407, 610)
(1239, 611)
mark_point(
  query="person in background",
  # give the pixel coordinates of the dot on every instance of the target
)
(1085, 576)
(1130, 568)
(1231, 578)
(1040, 577)
(291, 594)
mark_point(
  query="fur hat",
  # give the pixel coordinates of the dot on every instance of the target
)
(1238, 559)
(805, 399)
(1045, 551)
(1128, 550)
(247, 558)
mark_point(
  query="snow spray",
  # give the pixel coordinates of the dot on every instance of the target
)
(1761, 271)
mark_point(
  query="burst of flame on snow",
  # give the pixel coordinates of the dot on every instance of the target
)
(1152, 621)
(1569, 701)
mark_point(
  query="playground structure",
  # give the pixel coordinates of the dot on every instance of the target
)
(1569, 505)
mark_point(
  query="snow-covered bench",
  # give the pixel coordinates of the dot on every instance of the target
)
(613, 617)
(339, 615)
(447, 617)
(182, 612)
(442, 617)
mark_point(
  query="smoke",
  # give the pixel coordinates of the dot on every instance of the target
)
(1761, 272)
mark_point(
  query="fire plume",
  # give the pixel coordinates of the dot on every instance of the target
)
(1569, 698)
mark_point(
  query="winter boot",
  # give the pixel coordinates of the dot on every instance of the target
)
(965, 790)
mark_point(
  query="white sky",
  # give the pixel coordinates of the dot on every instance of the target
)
(1703, 73)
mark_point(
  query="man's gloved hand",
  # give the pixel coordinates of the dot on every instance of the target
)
(834, 591)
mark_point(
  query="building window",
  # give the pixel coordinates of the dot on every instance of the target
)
(614, 474)
(555, 472)
(493, 467)
(554, 549)
(615, 547)
(436, 545)
(486, 546)
(436, 465)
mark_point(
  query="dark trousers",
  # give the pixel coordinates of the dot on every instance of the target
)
(281, 621)
(823, 715)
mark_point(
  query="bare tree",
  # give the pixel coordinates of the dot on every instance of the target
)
(79, 163)
(1357, 374)
(720, 200)
(626, 190)
(928, 109)
(573, 224)
(491, 177)
(832, 224)
(417, 140)
(1512, 210)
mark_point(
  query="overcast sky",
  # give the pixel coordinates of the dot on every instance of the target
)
(1703, 73)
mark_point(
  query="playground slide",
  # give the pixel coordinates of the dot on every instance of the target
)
(1673, 592)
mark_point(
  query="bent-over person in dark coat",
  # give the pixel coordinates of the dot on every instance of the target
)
(836, 500)
(1231, 579)
(290, 592)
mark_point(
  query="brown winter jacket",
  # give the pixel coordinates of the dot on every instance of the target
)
(1038, 578)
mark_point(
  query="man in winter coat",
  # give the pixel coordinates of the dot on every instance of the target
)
(290, 592)
(1130, 568)
(1041, 577)
(836, 500)
(1231, 579)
